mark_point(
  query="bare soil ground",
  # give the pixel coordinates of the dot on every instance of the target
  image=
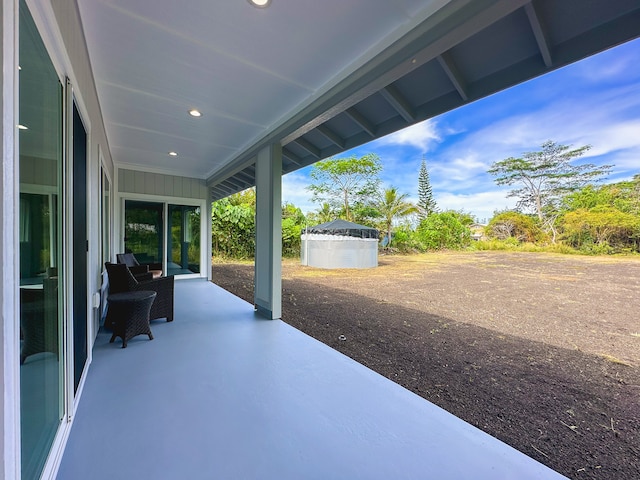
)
(539, 350)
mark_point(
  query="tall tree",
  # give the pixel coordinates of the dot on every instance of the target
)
(392, 206)
(545, 177)
(426, 203)
(323, 214)
(342, 181)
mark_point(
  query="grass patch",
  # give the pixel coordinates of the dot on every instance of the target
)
(617, 361)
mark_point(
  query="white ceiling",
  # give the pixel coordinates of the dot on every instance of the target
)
(319, 77)
(246, 69)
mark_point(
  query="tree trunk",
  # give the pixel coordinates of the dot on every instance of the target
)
(346, 205)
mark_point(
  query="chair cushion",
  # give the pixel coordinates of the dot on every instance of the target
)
(128, 259)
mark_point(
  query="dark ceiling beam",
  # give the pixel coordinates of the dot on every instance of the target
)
(237, 183)
(308, 146)
(230, 187)
(330, 135)
(362, 122)
(246, 177)
(539, 33)
(398, 102)
(223, 190)
(452, 24)
(292, 156)
(451, 69)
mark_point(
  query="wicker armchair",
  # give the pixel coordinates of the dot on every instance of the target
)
(122, 280)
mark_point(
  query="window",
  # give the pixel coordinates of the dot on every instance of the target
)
(42, 367)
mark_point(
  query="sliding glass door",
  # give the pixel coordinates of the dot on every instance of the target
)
(183, 240)
(152, 240)
(143, 230)
(80, 243)
(42, 365)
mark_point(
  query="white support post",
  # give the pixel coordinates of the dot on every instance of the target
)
(207, 234)
(9, 307)
(268, 265)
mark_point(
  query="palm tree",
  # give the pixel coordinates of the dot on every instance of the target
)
(392, 206)
(325, 213)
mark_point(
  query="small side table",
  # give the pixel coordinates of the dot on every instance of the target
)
(128, 315)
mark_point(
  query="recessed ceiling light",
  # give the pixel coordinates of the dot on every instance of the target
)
(195, 113)
(22, 127)
(260, 3)
(173, 154)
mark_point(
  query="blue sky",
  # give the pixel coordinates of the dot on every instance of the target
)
(595, 102)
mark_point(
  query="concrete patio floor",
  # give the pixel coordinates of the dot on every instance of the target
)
(220, 393)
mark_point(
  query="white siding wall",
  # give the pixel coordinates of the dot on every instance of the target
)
(148, 183)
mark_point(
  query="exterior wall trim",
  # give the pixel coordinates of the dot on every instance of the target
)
(9, 180)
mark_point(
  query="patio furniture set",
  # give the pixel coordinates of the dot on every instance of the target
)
(137, 294)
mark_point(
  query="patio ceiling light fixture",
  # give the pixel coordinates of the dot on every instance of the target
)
(260, 3)
(22, 127)
(173, 154)
(195, 112)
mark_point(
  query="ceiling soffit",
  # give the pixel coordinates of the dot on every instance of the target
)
(464, 52)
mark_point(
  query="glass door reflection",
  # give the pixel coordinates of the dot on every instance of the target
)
(143, 227)
(41, 353)
(183, 240)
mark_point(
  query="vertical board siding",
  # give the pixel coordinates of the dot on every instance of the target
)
(148, 183)
(37, 171)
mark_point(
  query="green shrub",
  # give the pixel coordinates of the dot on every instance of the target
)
(514, 225)
(444, 230)
(406, 240)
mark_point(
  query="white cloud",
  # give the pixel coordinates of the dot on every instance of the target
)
(609, 65)
(421, 136)
(480, 204)
(460, 171)
(601, 120)
(294, 191)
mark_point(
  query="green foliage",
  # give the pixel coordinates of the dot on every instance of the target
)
(514, 225)
(445, 230)
(364, 214)
(602, 229)
(514, 246)
(293, 221)
(391, 206)
(233, 227)
(290, 237)
(343, 181)
(406, 240)
(545, 177)
(426, 202)
(246, 197)
(323, 215)
(624, 196)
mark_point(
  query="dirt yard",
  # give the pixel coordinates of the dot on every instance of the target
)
(541, 351)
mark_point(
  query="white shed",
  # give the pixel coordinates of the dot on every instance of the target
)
(340, 244)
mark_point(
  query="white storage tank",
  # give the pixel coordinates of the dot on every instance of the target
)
(340, 244)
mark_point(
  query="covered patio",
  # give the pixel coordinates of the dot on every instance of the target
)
(124, 120)
(222, 393)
